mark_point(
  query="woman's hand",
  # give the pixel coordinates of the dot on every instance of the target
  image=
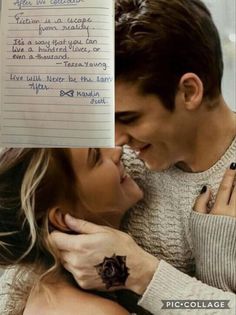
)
(225, 203)
(103, 258)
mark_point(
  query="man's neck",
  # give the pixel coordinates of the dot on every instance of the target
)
(215, 133)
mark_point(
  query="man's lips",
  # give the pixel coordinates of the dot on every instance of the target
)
(139, 150)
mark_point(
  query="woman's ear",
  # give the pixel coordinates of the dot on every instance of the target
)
(56, 219)
(191, 89)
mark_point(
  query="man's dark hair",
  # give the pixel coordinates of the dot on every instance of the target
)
(157, 41)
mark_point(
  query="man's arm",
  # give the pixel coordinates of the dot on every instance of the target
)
(104, 258)
(164, 281)
(169, 283)
(214, 246)
(213, 233)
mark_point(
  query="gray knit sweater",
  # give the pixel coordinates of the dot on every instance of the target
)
(191, 246)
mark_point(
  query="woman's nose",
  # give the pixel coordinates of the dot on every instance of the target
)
(116, 154)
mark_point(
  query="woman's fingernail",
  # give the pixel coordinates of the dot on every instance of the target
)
(233, 166)
(204, 189)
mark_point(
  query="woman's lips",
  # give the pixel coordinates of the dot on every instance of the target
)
(123, 173)
(123, 178)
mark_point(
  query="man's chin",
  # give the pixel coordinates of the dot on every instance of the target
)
(154, 166)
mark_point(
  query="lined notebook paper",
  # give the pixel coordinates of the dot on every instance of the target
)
(57, 73)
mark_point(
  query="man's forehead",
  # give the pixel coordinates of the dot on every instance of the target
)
(123, 86)
(127, 99)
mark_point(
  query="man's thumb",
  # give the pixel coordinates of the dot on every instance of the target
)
(202, 200)
(81, 226)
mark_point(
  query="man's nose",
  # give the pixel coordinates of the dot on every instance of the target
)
(121, 137)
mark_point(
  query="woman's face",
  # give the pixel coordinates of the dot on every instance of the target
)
(102, 183)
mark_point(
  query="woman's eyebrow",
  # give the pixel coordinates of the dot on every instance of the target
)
(89, 156)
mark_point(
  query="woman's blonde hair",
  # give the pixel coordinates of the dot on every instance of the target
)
(31, 182)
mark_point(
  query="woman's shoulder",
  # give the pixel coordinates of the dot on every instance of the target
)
(65, 299)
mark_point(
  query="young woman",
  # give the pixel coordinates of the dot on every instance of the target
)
(38, 187)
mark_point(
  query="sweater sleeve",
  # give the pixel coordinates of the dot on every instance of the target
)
(214, 246)
(168, 283)
(15, 286)
(6, 292)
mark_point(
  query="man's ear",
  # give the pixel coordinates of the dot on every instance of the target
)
(56, 218)
(191, 90)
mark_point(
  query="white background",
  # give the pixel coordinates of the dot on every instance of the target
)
(223, 12)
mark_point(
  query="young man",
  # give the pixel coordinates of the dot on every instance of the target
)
(169, 108)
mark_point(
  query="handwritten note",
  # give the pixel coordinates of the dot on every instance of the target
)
(57, 73)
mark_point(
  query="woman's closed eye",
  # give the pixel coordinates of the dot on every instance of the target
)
(94, 157)
(97, 156)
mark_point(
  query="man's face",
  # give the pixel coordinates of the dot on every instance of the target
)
(161, 137)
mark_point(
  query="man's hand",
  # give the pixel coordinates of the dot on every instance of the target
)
(225, 203)
(104, 258)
